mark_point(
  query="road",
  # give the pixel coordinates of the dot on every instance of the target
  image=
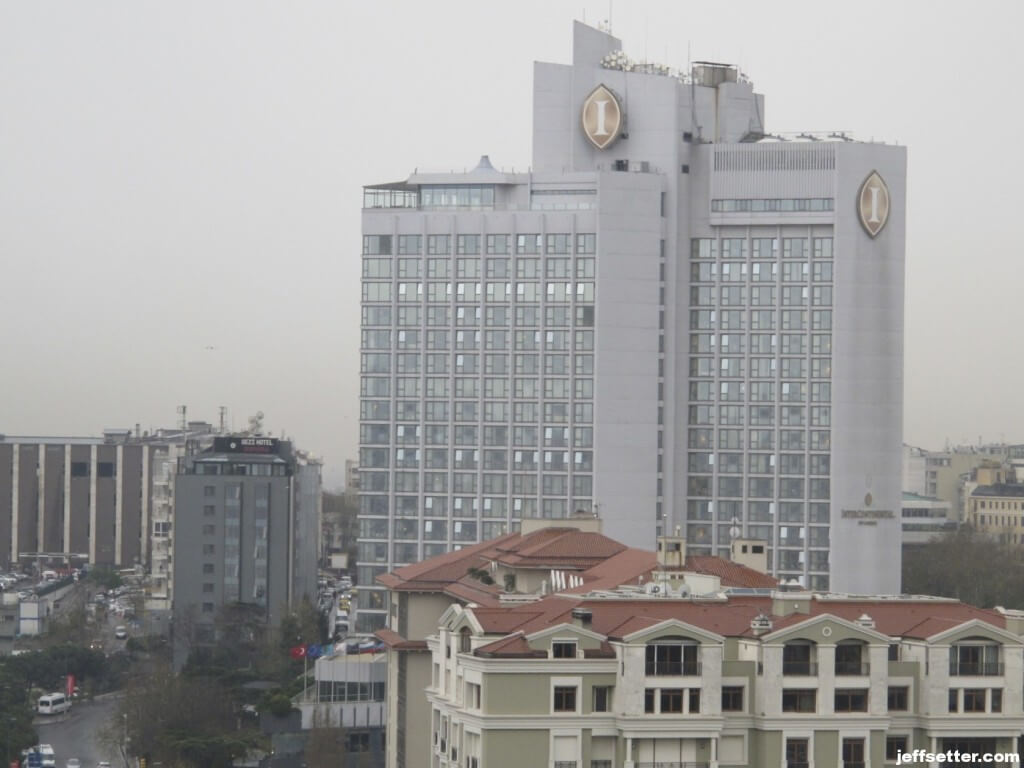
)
(77, 734)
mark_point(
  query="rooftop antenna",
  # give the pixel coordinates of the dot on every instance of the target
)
(223, 413)
(610, 3)
(182, 411)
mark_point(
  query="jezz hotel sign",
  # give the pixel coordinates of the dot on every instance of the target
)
(602, 117)
(873, 204)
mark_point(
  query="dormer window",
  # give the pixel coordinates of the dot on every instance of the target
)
(672, 656)
(465, 644)
(563, 649)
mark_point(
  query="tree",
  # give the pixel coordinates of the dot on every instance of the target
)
(15, 712)
(181, 720)
(104, 578)
(967, 566)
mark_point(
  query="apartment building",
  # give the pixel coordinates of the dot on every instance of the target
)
(764, 680)
(548, 556)
(998, 511)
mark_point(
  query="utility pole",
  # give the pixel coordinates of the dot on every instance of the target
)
(124, 742)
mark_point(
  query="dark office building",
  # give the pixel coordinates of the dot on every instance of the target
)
(245, 531)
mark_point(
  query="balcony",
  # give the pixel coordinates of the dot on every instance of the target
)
(672, 669)
(979, 668)
(853, 668)
(600, 764)
(565, 764)
(800, 668)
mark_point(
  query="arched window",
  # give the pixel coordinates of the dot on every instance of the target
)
(852, 658)
(975, 656)
(800, 657)
(465, 645)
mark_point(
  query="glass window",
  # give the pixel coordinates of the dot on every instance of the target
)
(438, 244)
(376, 244)
(468, 244)
(499, 244)
(564, 699)
(528, 243)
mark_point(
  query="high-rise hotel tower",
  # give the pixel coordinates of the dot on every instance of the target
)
(671, 322)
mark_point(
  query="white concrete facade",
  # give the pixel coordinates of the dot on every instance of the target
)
(740, 361)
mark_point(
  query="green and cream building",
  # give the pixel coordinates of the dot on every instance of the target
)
(659, 676)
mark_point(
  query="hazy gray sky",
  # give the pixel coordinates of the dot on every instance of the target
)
(183, 175)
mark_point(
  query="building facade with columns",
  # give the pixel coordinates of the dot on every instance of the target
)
(75, 499)
(107, 501)
(778, 680)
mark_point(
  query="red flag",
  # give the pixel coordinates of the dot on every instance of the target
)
(298, 652)
(70, 686)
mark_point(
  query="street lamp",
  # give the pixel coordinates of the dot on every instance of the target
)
(7, 739)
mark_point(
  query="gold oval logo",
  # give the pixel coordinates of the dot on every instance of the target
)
(602, 117)
(873, 204)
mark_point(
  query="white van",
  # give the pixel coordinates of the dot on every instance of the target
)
(53, 704)
(49, 758)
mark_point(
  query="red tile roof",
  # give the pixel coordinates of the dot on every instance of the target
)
(732, 574)
(512, 647)
(559, 548)
(396, 642)
(601, 562)
(903, 618)
(619, 618)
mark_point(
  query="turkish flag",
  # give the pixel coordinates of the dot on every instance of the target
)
(298, 652)
(69, 685)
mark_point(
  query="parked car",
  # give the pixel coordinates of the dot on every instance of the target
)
(121, 632)
(73, 762)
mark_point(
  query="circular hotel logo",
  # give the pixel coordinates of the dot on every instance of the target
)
(873, 204)
(602, 117)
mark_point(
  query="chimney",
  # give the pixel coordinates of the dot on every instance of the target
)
(761, 625)
(866, 621)
(671, 552)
